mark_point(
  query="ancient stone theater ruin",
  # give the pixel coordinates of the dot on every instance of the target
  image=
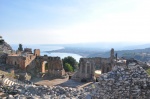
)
(88, 66)
(34, 63)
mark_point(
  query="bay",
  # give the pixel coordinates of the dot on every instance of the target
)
(44, 48)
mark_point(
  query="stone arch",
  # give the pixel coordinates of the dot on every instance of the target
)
(44, 67)
(16, 64)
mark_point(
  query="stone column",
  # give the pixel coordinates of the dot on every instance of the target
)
(90, 68)
(93, 68)
(43, 67)
(112, 57)
(81, 67)
(91, 71)
(48, 67)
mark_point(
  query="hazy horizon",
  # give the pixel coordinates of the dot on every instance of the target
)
(75, 21)
(102, 46)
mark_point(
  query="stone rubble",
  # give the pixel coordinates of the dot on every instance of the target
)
(122, 83)
(10, 82)
(43, 92)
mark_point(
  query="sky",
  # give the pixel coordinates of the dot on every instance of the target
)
(74, 21)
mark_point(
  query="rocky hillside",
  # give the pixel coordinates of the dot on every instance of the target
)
(123, 83)
(4, 47)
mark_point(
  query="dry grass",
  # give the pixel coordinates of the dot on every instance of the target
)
(9, 75)
(148, 71)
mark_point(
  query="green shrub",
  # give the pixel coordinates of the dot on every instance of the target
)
(72, 61)
(68, 67)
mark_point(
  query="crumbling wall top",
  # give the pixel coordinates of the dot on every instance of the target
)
(54, 58)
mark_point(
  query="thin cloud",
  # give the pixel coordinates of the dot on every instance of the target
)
(82, 21)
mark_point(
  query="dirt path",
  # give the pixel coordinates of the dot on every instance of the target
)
(63, 83)
(51, 82)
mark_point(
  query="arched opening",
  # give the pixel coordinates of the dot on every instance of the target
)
(44, 67)
(15, 63)
(96, 80)
(107, 69)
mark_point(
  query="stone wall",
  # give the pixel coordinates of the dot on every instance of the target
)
(55, 66)
(3, 58)
(18, 62)
(29, 59)
(34, 63)
(27, 50)
(37, 52)
(87, 66)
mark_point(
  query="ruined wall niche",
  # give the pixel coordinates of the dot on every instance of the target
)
(15, 63)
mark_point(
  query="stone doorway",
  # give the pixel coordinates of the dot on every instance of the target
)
(44, 67)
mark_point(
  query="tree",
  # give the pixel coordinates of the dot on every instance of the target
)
(70, 60)
(68, 67)
(20, 47)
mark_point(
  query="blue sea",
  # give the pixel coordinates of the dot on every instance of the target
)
(44, 48)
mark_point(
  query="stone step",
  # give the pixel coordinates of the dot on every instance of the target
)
(7, 81)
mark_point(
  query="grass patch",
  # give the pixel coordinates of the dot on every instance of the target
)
(9, 75)
(148, 71)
